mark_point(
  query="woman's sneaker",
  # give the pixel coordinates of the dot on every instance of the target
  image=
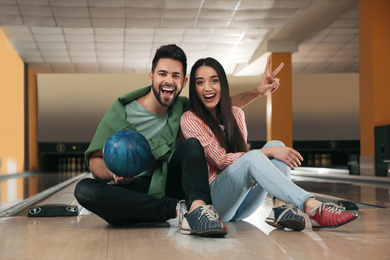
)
(286, 216)
(330, 215)
(203, 221)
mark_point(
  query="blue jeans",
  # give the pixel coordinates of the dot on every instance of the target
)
(232, 191)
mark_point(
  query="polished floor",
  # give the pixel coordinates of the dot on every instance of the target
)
(16, 188)
(88, 237)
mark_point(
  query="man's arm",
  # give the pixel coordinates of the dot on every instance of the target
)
(268, 84)
(98, 167)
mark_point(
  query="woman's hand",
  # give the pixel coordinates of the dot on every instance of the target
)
(269, 83)
(285, 154)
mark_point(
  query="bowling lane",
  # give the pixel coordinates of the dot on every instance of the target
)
(365, 194)
(16, 188)
(338, 183)
(365, 238)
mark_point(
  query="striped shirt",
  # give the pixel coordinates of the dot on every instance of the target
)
(217, 157)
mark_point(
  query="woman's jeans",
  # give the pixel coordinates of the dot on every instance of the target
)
(233, 192)
(187, 179)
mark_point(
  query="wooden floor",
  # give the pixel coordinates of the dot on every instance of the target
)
(88, 237)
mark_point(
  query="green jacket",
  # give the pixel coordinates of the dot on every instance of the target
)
(115, 120)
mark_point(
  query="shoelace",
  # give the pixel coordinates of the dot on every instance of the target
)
(286, 209)
(331, 207)
(183, 208)
(210, 212)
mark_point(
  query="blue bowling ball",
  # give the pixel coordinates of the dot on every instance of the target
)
(126, 153)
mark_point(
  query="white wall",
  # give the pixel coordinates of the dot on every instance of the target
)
(70, 106)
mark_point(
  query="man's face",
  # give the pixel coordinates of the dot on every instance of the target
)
(167, 81)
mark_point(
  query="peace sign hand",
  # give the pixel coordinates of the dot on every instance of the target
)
(269, 83)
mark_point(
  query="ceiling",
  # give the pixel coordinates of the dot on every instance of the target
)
(121, 36)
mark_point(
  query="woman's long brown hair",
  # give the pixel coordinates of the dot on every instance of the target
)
(230, 138)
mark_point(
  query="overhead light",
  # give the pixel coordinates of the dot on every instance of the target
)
(255, 68)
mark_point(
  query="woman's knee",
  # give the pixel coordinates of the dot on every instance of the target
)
(254, 158)
(274, 143)
(259, 159)
(254, 154)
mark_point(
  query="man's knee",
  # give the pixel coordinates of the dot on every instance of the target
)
(192, 145)
(84, 191)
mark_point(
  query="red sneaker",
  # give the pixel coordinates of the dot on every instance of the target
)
(330, 215)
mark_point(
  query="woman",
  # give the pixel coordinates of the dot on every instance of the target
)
(241, 178)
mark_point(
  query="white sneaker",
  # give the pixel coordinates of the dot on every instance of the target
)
(181, 210)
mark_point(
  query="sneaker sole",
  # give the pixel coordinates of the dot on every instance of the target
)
(208, 233)
(273, 223)
(291, 224)
(352, 219)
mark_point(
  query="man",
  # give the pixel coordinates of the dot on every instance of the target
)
(177, 176)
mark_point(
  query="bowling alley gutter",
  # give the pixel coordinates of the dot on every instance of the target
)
(12, 211)
(18, 175)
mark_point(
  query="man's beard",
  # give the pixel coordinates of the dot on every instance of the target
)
(161, 100)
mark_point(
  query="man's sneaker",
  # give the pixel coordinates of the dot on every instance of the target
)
(203, 221)
(286, 216)
(330, 215)
(181, 210)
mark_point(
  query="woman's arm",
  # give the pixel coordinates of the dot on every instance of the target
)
(268, 84)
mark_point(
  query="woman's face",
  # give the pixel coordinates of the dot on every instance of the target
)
(208, 87)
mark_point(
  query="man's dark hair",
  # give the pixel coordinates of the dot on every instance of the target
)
(171, 51)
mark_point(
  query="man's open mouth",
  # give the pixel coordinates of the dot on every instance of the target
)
(167, 92)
